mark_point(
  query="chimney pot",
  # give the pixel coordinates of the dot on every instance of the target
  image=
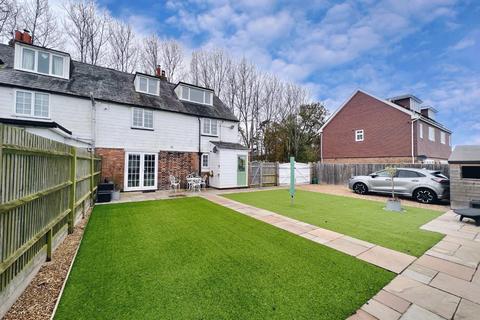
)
(163, 73)
(27, 38)
(158, 71)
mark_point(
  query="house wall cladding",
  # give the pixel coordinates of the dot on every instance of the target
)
(387, 131)
(179, 164)
(392, 160)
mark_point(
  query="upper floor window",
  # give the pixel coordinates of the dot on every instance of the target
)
(148, 85)
(442, 137)
(192, 94)
(41, 61)
(32, 104)
(210, 127)
(142, 119)
(359, 135)
(420, 129)
(431, 134)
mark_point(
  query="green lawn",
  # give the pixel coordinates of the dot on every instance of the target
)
(362, 219)
(192, 259)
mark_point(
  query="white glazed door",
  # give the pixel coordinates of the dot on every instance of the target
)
(140, 171)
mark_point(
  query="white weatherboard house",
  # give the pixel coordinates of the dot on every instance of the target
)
(144, 127)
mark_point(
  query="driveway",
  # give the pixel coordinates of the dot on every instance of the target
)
(342, 190)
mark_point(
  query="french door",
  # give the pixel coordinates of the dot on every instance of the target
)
(140, 171)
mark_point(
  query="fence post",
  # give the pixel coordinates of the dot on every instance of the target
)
(73, 179)
(49, 244)
(92, 169)
(261, 174)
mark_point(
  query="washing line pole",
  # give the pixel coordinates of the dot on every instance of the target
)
(292, 179)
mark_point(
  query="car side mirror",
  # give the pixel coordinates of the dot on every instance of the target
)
(373, 175)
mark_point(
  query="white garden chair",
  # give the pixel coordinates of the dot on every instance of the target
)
(174, 183)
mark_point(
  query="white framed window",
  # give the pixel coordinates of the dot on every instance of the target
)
(142, 119)
(210, 127)
(196, 95)
(420, 130)
(431, 134)
(32, 104)
(148, 85)
(359, 135)
(40, 61)
(442, 137)
(205, 161)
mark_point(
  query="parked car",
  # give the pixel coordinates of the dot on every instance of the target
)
(426, 186)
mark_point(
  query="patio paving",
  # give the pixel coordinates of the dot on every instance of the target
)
(442, 284)
(386, 258)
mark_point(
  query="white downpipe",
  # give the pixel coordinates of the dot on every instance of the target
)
(413, 142)
(321, 146)
(94, 120)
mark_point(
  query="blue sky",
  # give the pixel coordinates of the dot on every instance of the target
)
(428, 48)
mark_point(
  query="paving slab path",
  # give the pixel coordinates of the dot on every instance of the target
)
(442, 284)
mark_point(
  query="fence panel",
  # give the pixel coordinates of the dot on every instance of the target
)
(263, 174)
(338, 173)
(302, 173)
(38, 177)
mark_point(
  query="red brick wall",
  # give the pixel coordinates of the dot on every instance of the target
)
(179, 164)
(433, 149)
(113, 164)
(387, 131)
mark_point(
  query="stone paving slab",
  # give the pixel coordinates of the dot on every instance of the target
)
(419, 273)
(467, 310)
(392, 301)
(450, 268)
(347, 246)
(380, 310)
(386, 258)
(437, 301)
(465, 289)
(362, 315)
(418, 313)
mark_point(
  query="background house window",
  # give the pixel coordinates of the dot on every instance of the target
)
(142, 118)
(442, 137)
(33, 104)
(57, 66)
(147, 85)
(210, 127)
(431, 133)
(420, 129)
(359, 135)
(43, 62)
(471, 172)
(205, 159)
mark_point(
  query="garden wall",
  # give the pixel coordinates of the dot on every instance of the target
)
(45, 187)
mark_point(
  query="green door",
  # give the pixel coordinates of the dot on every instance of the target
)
(241, 171)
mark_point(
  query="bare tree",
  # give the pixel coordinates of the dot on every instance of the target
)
(123, 49)
(210, 68)
(171, 59)
(8, 19)
(150, 55)
(37, 17)
(87, 27)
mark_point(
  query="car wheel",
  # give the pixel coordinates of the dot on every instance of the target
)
(425, 195)
(360, 188)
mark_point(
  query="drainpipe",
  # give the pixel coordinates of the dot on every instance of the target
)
(94, 121)
(414, 118)
(321, 146)
(199, 146)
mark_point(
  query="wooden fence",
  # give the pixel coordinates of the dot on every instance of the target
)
(263, 174)
(45, 186)
(329, 173)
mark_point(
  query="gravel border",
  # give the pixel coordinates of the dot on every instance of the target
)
(39, 299)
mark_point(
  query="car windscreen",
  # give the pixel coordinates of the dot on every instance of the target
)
(438, 174)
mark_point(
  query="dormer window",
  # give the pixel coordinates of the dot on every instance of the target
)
(194, 94)
(32, 59)
(146, 84)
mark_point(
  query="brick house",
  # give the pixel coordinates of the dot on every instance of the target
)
(144, 127)
(367, 129)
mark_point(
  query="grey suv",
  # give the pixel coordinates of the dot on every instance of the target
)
(423, 185)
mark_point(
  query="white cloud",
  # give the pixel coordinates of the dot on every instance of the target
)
(464, 43)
